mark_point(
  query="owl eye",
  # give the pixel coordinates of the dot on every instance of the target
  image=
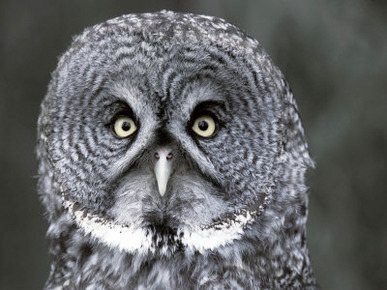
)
(204, 126)
(124, 126)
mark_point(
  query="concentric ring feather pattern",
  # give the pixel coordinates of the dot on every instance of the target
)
(137, 198)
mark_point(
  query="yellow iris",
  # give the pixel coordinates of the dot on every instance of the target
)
(204, 126)
(124, 127)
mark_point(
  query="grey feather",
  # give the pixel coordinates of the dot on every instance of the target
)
(235, 207)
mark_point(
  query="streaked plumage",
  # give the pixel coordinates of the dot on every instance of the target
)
(172, 155)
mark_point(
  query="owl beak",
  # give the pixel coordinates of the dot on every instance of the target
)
(163, 168)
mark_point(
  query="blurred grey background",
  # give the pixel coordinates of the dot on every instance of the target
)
(333, 53)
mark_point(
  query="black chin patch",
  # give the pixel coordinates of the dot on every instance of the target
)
(163, 236)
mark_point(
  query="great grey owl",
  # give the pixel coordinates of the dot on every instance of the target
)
(172, 156)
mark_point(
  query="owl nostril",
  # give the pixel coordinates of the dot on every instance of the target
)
(163, 153)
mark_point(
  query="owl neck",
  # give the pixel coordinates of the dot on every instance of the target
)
(278, 257)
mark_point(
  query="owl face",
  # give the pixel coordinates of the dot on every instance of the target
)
(161, 144)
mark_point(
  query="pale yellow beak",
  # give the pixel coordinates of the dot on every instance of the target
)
(163, 169)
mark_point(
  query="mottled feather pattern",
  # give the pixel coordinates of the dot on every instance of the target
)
(235, 209)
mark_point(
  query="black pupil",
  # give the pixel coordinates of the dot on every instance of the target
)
(125, 126)
(203, 125)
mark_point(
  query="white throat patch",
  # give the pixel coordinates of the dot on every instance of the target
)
(134, 239)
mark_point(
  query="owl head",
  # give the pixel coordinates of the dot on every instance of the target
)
(171, 132)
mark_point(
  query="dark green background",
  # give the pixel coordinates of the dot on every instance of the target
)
(334, 54)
